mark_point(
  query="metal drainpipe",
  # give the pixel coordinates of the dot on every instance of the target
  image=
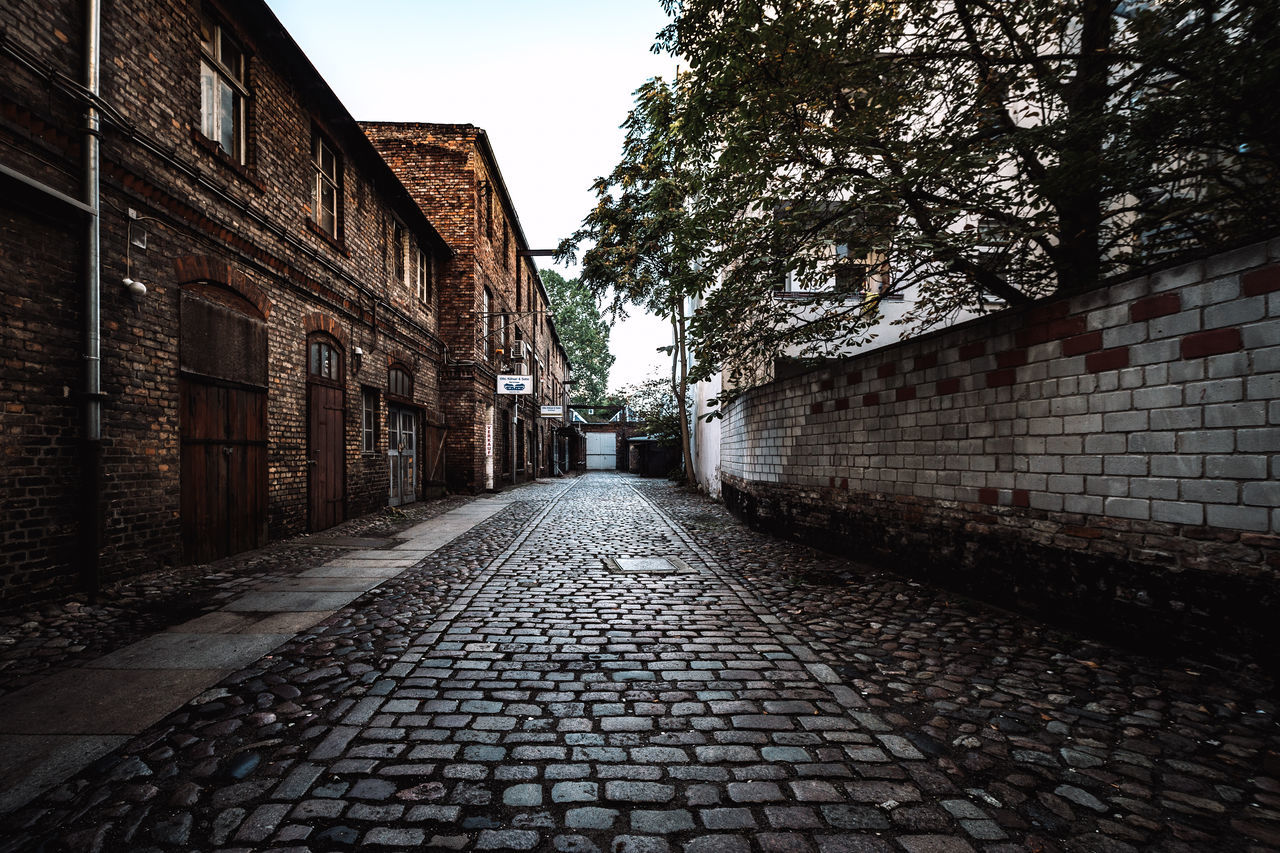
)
(91, 531)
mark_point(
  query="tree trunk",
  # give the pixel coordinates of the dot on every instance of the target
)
(680, 386)
(1079, 181)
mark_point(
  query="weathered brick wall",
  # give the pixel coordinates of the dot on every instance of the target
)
(1111, 455)
(452, 176)
(245, 226)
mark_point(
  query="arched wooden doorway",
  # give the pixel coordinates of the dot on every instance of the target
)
(222, 389)
(326, 421)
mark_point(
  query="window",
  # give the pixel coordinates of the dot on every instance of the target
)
(369, 431)
(399, 248)
(325, 196)
(506, 244)
(326, 362)
(222, 89)
(399, 383)
(488, 211)
(426, 274)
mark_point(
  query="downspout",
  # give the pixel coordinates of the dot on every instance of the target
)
(91, 530)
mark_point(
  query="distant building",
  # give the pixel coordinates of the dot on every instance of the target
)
(494, 316)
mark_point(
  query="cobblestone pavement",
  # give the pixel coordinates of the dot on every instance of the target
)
(530, 687)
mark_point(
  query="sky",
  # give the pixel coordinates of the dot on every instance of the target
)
(549, 80)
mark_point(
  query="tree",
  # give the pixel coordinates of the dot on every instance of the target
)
(652, 401)
(646, 244)
(584, 335)
(976, 149)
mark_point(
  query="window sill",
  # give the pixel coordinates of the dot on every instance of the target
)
(337, 245)
(214, 150)
(813, 295)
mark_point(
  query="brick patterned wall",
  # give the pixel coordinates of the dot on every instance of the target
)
(1109, 455)
(246, 228)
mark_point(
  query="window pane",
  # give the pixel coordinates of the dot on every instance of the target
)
(207, 34)
(315, 359)
(231, 57)
(227, 117)
(326, 210)
(208, 101)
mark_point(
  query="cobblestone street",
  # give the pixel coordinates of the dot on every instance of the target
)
(543, 682)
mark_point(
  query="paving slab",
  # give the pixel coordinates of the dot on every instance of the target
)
(266, 601)
(101, 701)
(400, 554)
(31, 763)
(327, 584)
(248, 622)
(339, 569)
(191, 651)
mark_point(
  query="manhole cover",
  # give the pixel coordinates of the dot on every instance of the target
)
(647, 565)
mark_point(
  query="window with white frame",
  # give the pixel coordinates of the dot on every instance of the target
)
(326, 196)
(369, 428)
(399, 249)
(223, 91)
(426, 274)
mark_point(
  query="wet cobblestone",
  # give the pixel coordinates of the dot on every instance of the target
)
(517, 692)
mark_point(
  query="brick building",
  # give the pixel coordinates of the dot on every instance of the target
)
(282, 369)
(494, 315)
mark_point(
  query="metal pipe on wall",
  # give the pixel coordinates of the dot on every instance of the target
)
(91, 531)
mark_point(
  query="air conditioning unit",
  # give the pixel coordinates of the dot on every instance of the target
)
(519, 351)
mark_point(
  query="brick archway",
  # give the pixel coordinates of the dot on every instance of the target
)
(198, 269)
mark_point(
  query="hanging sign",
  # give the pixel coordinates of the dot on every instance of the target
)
(515, 383)
(553, 411)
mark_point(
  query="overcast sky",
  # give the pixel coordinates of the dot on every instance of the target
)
(549, 80)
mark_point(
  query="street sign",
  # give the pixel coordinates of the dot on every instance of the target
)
(515, 383)
(553, 411)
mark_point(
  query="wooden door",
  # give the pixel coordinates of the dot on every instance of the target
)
(222, 425)
(432, 451)
(402, 455)
(325, 456)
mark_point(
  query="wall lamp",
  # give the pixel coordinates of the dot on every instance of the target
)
(357, 359)
(135, 288)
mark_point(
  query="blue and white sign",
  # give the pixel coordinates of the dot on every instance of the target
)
(515, 383)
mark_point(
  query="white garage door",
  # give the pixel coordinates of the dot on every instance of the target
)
(602, 452)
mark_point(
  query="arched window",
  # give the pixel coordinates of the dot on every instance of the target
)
(326, 361)
(399, 383)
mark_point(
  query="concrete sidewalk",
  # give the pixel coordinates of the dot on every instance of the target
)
(53, 728)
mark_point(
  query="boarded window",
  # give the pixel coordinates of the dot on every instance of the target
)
(399, 383)
(221, 339)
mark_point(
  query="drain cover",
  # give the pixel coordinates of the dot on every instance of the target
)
(647, 565)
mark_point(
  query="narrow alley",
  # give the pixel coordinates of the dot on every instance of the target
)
(610, 663)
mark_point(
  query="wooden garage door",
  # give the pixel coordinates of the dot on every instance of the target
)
(224, 469)
(222, 425)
